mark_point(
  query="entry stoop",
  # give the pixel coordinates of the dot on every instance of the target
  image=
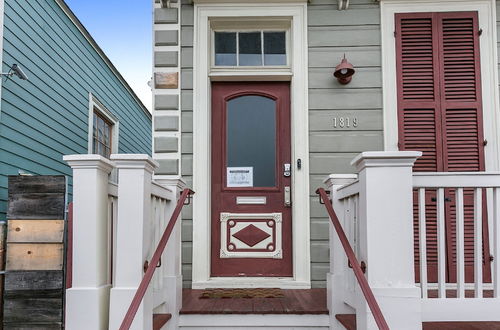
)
(296, 309)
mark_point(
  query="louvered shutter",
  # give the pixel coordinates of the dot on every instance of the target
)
(463, 148)
(439, 113)
(418, 113)
(418, 92)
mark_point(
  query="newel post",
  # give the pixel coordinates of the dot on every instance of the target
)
(173, 258)
(386, 237)
(336, 277)
(133, 237)
(87, 301)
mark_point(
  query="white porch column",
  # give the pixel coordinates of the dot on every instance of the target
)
(133, 238)
(172, 257)
(338, 260)
(386, 238)
(87, 301)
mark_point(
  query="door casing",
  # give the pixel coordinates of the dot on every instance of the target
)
(296, 16)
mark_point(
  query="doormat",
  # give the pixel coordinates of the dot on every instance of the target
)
(242, 293)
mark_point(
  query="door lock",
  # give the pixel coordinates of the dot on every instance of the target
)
(287, 169)
(288, 197)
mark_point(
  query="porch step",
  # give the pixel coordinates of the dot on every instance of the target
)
(349, 322)
(298, 309)
(159, 320)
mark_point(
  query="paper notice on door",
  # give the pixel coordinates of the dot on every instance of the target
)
(240, 176)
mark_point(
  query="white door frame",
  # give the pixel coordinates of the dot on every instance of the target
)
(296, 13)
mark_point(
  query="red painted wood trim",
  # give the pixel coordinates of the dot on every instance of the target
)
(159, 320)
(363, 283)
(139, 295)
(69, 250)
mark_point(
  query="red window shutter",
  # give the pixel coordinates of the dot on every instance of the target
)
(419, 113)
(418, 93)
(461, 101)
(439, 113)
(463, 149)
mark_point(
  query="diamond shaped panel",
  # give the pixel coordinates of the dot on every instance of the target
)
(251, 235)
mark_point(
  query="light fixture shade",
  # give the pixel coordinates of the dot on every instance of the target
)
(344, 71)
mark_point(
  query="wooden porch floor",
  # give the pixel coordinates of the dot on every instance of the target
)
(311, 301)
(349, 322)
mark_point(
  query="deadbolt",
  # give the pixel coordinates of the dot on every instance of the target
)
(287, 169)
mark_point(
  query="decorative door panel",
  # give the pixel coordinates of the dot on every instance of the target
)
(251, 218)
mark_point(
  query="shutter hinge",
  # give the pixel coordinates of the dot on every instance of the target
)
(395, 34)
(485, 142)
(480, 32)
(399, 145)
(492, 258)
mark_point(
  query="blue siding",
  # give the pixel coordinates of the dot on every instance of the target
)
(46, 117)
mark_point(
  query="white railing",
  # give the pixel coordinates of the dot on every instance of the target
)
(112, 223)
(347, 198)
(161, 198)
(454, 219)
(117, 227)
(460, 212)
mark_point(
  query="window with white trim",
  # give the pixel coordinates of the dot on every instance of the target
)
(103, 129)
(250, 48)
(101, 135)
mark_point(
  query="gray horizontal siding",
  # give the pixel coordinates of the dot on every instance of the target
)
(47, 116)
(332, 33)
(187, 17)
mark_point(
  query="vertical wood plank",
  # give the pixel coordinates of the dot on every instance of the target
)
(441, 244)
(423, 241)
(460, 243)
(478, 243)
(496, 242)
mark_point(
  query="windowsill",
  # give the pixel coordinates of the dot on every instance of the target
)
(251, 74)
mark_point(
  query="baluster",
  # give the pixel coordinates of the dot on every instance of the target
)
(441, 244)
(423, 241)
(496, 243)
(478, 243)
(460, 240)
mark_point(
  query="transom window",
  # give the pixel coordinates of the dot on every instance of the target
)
(250, 48)
(101, 141)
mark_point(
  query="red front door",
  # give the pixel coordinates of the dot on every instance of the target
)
(251, 180)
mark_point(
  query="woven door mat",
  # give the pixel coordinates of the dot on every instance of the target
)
(242, 293)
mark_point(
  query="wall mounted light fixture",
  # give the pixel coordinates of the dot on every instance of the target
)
(344, 71)
(15, 70)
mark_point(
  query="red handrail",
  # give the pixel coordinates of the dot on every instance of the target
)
(358, 272)
(139, 295)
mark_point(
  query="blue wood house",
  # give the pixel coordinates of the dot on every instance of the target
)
(73, 102)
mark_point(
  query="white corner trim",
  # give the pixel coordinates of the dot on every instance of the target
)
(94, 103)
(489, 72)
(297, 14)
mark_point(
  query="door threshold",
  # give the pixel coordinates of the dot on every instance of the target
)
(252, 282)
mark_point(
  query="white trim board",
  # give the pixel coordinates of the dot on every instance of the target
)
(255, 321)
(297, 14)
(489, 71)
(95, 104)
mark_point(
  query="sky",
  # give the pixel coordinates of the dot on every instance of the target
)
(122, 28)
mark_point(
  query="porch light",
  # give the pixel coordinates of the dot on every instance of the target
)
(344, 71)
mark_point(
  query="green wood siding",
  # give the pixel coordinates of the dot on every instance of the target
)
(46, 117)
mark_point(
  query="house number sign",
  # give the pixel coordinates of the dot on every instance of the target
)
(345, 122)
